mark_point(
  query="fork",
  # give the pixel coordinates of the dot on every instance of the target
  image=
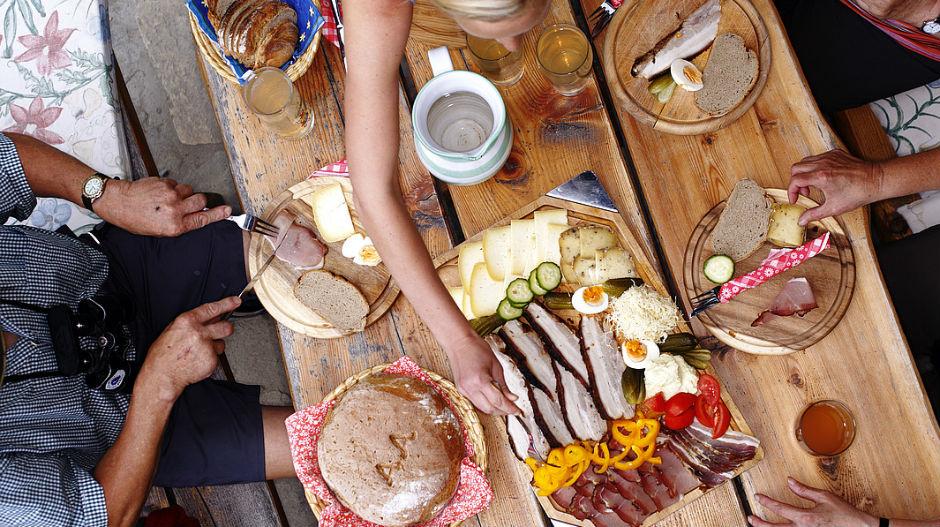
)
(705, 300)
(252, 223)
(602, 15)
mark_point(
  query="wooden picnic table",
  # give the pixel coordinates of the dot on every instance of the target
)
(662, 184)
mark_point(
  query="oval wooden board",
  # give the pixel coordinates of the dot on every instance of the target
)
(275, 288)
(583, 215)
(637, 27)
(831, 275)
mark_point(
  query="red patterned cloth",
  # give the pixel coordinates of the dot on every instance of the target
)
(912, 38)
(303, 429)
(775, 264)
(329, 28)
(338, 168)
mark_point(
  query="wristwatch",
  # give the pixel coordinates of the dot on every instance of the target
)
(931, 27)
(93, 188)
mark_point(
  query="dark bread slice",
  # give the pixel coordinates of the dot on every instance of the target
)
(333, 298)
(729, 75)
(743, 225)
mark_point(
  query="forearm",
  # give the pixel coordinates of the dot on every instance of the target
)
(49, 171)
(127, 469)
(910, 174)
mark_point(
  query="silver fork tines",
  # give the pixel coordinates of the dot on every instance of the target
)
(252, 223)
(600, 17)
(705, 300)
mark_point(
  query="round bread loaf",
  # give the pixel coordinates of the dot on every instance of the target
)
(390, 450)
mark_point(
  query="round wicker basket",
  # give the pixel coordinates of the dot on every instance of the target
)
(213, 55)
(465, 412)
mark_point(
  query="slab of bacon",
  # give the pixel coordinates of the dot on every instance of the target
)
(796, 298)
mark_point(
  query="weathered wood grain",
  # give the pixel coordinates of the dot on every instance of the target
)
(864, 361)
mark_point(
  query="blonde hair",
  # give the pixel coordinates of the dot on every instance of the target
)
(481, 9)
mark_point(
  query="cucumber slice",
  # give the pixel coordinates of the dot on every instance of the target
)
(519, 292)
(719, 268)
(548, 275)
(507, 311)
(534, 283)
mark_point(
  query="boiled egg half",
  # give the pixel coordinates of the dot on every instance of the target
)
(590, 300)
(361, 250)
(686, 75)
(638, 354)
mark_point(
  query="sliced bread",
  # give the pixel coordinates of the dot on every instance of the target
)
(333, 298)
(744, 223)
(729, 75)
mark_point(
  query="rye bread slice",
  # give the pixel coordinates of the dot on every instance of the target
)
(744, 223)
(729, 75)
(333, 298)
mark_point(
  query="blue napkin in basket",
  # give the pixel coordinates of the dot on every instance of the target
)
(309, 21)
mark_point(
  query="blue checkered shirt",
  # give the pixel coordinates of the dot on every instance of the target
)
(53, 430)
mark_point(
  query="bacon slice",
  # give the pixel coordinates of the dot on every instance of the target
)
(296, 244)
(604, 362)
(796, 297)
(526, 347)
(559, 339)
(523, 430)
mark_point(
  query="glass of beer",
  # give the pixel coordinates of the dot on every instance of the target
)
(271, 96)
(825, 428)
(501, 66)
(565, 58)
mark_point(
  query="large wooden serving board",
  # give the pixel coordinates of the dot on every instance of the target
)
(275, 288)
(831, 275)
(583, 215)
(637, 27)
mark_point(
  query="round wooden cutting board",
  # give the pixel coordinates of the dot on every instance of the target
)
(275, 288)
(638, 26)
(831, 275)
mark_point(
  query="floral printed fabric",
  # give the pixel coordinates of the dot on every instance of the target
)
(56, 84)
(912, 122)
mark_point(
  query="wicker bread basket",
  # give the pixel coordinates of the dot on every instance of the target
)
(465, 412)
(213, 54)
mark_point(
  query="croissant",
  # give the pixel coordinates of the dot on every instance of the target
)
(255, 32)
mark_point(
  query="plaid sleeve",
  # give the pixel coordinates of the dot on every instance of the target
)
(48, 489)
(16, 198)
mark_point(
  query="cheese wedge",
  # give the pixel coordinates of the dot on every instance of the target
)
(785, 230)
(612, 263)
(569, 243)
(331, 214)
(497, 243)
(585, 269)
(485, 293)
(595, 237)
(545, 242)
(470, 255)
(522, 234)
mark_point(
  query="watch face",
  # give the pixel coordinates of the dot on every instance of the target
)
(932, 27)
(93, 187)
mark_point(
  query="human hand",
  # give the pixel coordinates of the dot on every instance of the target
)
(155, 206)
(188, 350)
(827, 509)
(846, 181)
(479, 376)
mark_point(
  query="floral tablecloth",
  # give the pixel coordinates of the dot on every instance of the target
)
(56, 84)
(912, 122)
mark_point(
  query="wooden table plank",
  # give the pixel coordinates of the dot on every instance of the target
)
(556, 137)
(864, 362)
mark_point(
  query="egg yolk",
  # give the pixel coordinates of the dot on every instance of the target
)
(692, 73)
(593, 295)
(636, 350)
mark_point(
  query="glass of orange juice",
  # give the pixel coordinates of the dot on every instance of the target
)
(272, 96)
(825, 428)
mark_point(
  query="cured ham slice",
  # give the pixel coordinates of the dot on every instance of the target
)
(523, 344)
(796, 298)
(525, 427)
(661, 494)
(560, 341)
(296, 244)
(630, 486)
(674, 473)
(606, 367)
(713, 461)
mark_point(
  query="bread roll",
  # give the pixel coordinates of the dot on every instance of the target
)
(255, 32)
(390, 450)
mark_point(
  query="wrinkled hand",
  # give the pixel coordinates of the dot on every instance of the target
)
(155, 206)
(479, 376)
(846, 181)
(188, 349)
(827, 509)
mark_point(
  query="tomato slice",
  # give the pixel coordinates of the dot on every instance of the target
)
(656, 403)
(721, 421)
(679, 403)
(681, 420)
(710, 389)
(704, 412)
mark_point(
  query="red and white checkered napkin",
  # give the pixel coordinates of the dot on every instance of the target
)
(329, 28)
(338, 168)
(775, 264)
(303, 429)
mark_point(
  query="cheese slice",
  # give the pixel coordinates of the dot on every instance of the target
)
(485, 293)
(330, 213)
(522, 235)
(470, 254)
(785, 230)
(497, 244)
(545, 242)
(612, 263)
(595, 237)
(553, 232)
